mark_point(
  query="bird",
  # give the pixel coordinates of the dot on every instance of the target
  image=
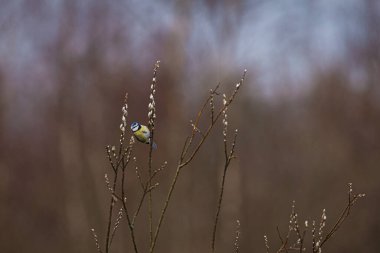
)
(142, 133)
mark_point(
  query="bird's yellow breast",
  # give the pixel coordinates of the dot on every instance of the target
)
(143, 134)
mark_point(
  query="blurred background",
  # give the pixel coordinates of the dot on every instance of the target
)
(308, 118)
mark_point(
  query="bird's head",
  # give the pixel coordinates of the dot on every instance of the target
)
(135, 126)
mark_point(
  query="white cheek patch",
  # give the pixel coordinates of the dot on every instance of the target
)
(135, 128)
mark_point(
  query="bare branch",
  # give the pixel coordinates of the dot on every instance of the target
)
(237, 236)
(316, 235)
(96, 240)
(183, 161)
(229, 154)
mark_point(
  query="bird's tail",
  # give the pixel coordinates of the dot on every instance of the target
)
(154, 145)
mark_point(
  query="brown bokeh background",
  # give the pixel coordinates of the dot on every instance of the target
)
(308, 117)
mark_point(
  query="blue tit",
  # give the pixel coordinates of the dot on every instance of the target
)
(142, 133)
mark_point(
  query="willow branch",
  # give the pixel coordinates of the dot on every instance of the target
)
(182, 162)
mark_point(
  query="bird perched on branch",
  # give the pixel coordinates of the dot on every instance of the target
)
(142, 133)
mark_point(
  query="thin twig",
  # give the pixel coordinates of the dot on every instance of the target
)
(351, 201)
(117, 223)
(182, 162)
(228, 157)
(119, 157)
(266, 244)
(316, 236)
(125, 207)
(284, 243)
(237, 236)
(302, 240)
(151, 117)
(95, 236)
(219, 206)
(112, 203)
